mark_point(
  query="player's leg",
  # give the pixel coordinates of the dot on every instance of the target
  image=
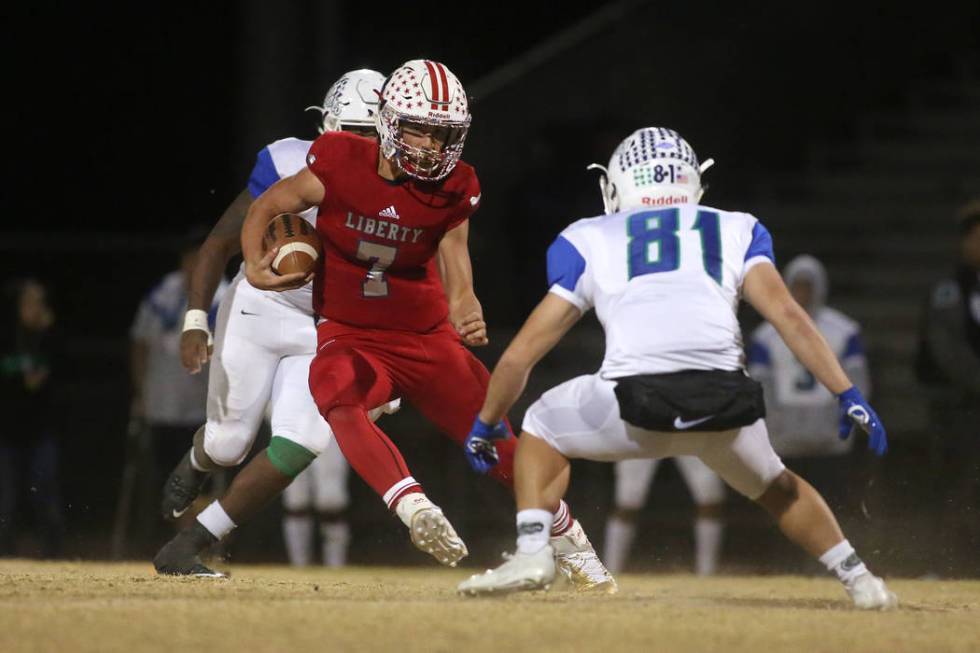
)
(708, 492)
(330, 500)
(299, 434)
(348, 375)
(633, 479)
(448, 388)
(577, 416)
(297, 518)
(541, 479)
(240, 378)
(746, 461)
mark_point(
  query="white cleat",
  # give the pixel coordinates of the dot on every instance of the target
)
(521, 572)
(431, 532)
(580, 564)
(869, 593)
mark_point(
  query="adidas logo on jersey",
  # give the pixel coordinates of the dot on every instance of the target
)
(389, 212)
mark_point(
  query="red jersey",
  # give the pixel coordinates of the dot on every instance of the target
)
(380, 237)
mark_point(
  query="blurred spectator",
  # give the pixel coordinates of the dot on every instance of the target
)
(802, 415)
(29, 356)
(165, 398)
(949, 364)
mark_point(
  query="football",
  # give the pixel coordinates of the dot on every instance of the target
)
(298, 243)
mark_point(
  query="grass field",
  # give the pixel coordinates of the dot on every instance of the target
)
(125, 607)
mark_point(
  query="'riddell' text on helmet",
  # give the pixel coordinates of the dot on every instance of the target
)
(652, 167)
(352, 102)
(428, 94)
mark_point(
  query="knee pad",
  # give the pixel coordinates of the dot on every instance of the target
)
(228, 444)
(288, 457)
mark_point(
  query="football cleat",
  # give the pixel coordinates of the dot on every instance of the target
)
(578, 562)
(870, 593)
(521, 572)
(182, 487)
(180, 556)
(430, 531)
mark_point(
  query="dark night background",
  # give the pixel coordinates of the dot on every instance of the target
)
(129, 124)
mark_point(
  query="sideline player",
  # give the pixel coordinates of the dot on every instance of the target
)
(665, 275)
(385, 324)
(633, 480)
(264, 343)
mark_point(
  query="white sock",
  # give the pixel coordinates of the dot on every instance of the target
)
(195, 464)
(619, 538)
(843, 561)
(533, 530)
(707, 545)
(216, 520)
(297, 531)
(336, 540)
(410, 504)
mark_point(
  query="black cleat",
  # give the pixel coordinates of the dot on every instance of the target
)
(182, 487)
(180, 556)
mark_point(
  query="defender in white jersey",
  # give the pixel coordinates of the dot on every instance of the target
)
(263, 344)
(665, 276)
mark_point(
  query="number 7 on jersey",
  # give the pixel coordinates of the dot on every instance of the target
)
(380, 257)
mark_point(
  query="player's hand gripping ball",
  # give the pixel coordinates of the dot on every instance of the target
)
(298, 243)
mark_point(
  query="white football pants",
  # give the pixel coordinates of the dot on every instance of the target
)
(262, 354)
(580, 419)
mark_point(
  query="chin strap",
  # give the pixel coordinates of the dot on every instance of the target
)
(603, 186)
(704, 166)
(322, 111)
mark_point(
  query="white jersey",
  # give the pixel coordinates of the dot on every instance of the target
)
(281, 159)
(803, 414)
(665, 284)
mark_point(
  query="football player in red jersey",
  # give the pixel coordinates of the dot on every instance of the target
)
(386, 210)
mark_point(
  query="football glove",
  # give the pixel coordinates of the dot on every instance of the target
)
(856, 411)
(481, 453)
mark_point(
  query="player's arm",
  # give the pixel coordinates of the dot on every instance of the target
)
(765, 290)
(292, 194)
(465, 311)
(547, 324)
(222, 243)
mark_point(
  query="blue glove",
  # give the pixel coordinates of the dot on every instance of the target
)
(856, 411)
(481, 453)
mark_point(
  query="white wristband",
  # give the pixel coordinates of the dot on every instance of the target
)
(195, 318)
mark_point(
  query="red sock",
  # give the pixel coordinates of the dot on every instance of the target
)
(372, 454)
(563, 519)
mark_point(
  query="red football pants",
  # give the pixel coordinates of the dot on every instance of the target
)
(357, 369)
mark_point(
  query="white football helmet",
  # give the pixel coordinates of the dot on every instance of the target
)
(653, 167)
(352, 101)
(426, 93)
